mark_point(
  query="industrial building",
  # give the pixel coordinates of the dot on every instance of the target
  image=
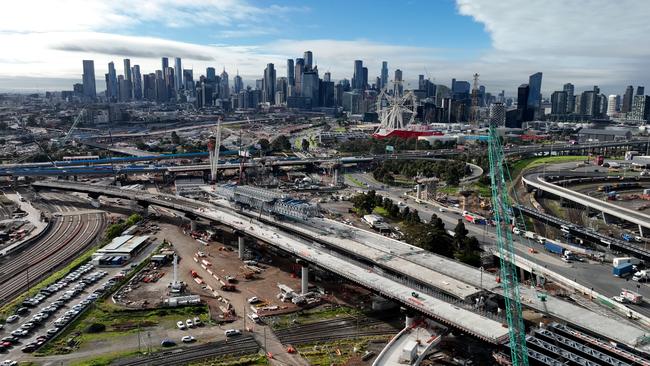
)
(120, 250)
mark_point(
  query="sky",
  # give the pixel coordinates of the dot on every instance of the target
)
(585, 42)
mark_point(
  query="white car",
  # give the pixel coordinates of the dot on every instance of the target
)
(621, 299)
(254, 317)
(232, 332)
(9, 363)
(197, 321)
(188, 339)
(253, 300)
(180, 325)
(441, 209)
(12, 318)
(189, 323)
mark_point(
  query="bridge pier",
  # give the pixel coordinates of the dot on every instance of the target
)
(304, 278)
(641, 231)
(144, 208)
(241, 246)
(193, 225)
(606, 219)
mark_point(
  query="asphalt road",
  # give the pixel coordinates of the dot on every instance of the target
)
(590, 274)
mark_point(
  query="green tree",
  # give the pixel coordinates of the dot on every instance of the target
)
(176, 140)
(460, 233)
(304, 145)
(281, 143)
(265, 145)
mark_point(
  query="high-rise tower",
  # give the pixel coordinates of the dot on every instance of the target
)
(88, 79)
(384, 75)
(179, 73)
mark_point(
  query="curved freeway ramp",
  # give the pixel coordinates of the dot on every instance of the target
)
(538, 181)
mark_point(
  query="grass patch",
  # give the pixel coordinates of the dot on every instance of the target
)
(103, 360)
(521, 165)
(355, 181)
(312, 316)
(336, 352)
(249, 360)
(380, 211)
(450, 190)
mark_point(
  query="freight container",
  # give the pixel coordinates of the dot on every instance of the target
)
(622, 270)
(553, 248)
(624, 260)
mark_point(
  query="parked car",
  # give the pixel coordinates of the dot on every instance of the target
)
(197, 321)
(167, 343)
(188, 339)
(189, 323)
(180, 325)
(12, 318)
(232, 332)
(253, 300)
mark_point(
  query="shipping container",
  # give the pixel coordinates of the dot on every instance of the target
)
(553, 248)
(622, 270)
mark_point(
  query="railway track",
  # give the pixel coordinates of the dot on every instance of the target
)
(335, 329)
(243, 345)
(69, 236)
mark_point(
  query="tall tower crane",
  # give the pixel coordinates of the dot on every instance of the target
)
(504, 217)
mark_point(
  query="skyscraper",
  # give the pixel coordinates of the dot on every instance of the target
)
(238, 83)
(210, 74)
(111, 86)
(327, 76)
(224, 88)
(611, 105)
(311, 86)
(640, 108)
(364, 79)
(136, 82)
(88, 79)
(522, 104)
(309, 59)
(299, 68)
(127, 69)
(640, 90)
(627, 99)
(384, 74)
(558, 102)
(498, 114)
(399, 88)
(268, 88)
(128, 81)
(357, 78)
(290, 73)
(165, 64)
(178, 83)
(570, 98)
(534, 96)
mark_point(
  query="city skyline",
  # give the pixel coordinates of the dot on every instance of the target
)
(470, 36)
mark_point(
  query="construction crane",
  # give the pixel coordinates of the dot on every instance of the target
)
(214, 149)
(503, 216)
(76, 121)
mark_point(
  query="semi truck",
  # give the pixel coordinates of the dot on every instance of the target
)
(622, 270)
(622, 260)
(641, 276)
(553, 248)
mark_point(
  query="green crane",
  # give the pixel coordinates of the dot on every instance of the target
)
(503, 217)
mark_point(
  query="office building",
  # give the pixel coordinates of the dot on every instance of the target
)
(498, 114)
(627, 99)
(534, 94)
(165, 63)
(188, 81)
(238, 83)
(399, 87)
(309, 60)
(290, 72)
(357, 77)
(558, 102)
(178, 83)
(224, 88)
(611, 105)
(523, 113)
(311, 87)
(111, 84)
(268, 87)
(640, 108)
(327, 76)
(299, 68)
(384, 75)
(640, 90)
(149, 87)
(88, 80)
(210, 74)
(570, 97)
(136, 82)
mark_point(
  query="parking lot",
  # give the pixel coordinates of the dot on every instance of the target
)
(46, 314)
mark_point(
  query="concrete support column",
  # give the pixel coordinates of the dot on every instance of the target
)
(335, 177)
(605, 220)
(304, 278)
(522, 274)
(193, 225)
(145, 210)
(410, 320)
(642, 231)
(418, 191)
(242, 246)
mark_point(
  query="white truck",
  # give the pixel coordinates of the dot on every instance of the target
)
(641, 276)
(623, 260)
(632, 296)
(530, 235)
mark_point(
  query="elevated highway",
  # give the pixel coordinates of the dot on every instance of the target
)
(539, 182)
(393, 268)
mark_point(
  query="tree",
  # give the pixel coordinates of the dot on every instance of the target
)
(176, 140)
(281, 143)
(304, 145)
(265, 145)
(460, 233)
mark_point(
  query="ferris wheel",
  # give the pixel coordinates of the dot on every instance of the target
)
(395, 111)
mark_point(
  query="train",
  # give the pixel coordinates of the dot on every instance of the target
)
(618, 186)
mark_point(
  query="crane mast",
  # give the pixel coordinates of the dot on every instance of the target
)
(503, 217)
